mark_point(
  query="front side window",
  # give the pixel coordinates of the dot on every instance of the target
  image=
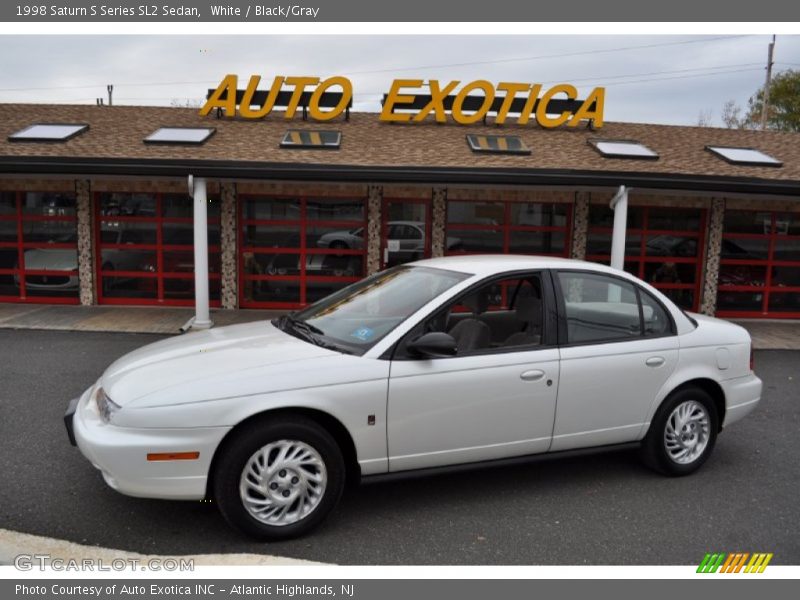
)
(498, 316)
(357, 317)
(599, 308)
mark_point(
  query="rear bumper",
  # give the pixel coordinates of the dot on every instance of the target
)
(742, 395)
(120, 453)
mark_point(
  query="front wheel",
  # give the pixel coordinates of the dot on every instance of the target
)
(682, 433)
(279, 479)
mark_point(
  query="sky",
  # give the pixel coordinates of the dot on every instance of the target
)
(648, 78)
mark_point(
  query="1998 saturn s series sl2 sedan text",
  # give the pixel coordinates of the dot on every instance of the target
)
(439, 362)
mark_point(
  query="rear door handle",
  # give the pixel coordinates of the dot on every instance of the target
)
(532, 375)
(654, 361)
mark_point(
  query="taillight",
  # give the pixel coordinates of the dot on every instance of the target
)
(752, 359)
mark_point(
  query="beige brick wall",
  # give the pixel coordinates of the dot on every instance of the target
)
(512, 195)
(644, 199)
(37, 185)
(278, 188)
(145, 186)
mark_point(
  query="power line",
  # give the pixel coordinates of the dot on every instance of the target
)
(685, 76)
(418, 68)
(546, 56)
(618, 83)
(603, 79)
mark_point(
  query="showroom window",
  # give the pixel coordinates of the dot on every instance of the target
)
(296, 250)
(405, 231)
(145, 249)
(759, 273)
(663, 246)
(38, 248)
(485, 227)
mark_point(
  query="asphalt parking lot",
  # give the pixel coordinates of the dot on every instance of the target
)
(600, 509)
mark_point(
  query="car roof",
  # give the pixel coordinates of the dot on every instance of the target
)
(487, 264)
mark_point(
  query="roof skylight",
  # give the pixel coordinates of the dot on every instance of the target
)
(48, 132)
(497, 144)
(296, 138)
(623, 149)
(180, 135)
(744, 156)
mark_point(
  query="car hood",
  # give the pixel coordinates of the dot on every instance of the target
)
(51, 259)
(207, 365)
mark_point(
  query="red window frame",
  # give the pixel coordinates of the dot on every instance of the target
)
(768, 263)
(159, 275)
(426, 252)
(507, 228)
(302, 223)
(20, 218)
(641, 260)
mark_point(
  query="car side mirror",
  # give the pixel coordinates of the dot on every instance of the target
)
(435, 344)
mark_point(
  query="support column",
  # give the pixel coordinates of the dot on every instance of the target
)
(438, 221)
(83, 197)
(580, 225)
(708, 304)
(619, 204)
(373, 238)
(202, 317)
(229, 272)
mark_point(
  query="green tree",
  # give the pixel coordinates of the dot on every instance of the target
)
(784, 103)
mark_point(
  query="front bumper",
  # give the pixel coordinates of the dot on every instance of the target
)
(120, 453)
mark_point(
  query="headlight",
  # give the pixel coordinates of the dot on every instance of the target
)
(105, 406)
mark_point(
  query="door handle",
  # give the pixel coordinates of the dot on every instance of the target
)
(654, 361)
(532, 375)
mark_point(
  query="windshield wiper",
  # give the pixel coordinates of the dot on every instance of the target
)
(298, 324)
(308, 332)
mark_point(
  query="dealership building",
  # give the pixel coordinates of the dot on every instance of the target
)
(95, 209)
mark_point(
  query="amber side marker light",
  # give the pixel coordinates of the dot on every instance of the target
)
(173, 455)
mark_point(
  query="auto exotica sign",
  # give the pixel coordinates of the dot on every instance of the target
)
(411, 100)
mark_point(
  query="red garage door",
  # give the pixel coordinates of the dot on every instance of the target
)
(663, 246)
(760, 265)
(38, 248)
(484, 227)
(296, 250)
(145, 249)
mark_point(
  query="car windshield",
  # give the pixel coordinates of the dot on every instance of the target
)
(356, 317)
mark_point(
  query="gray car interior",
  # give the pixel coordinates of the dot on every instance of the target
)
(483, 325)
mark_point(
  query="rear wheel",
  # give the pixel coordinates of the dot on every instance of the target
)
(279, 479)
(682, 433)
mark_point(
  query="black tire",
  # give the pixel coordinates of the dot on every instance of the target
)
(236, 454)
(654, 451)
(339, 245)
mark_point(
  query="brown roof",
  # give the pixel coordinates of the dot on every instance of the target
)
(118, 131)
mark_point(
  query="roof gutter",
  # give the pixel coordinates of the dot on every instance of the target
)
(386, 174)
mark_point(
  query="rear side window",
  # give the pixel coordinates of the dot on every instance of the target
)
(656, 320)
(599, 308)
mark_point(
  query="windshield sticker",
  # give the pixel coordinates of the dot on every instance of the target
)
(363, 334)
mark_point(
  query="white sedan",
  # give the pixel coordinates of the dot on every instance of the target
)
(436, 363)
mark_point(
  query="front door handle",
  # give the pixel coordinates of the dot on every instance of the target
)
(532, 375)
(654, 361)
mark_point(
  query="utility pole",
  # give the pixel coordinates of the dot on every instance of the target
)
(765, 103)
(110, 89)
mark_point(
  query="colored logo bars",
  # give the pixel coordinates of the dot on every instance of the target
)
(734, 562)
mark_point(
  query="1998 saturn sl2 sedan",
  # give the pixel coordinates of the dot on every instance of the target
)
(439, 362)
